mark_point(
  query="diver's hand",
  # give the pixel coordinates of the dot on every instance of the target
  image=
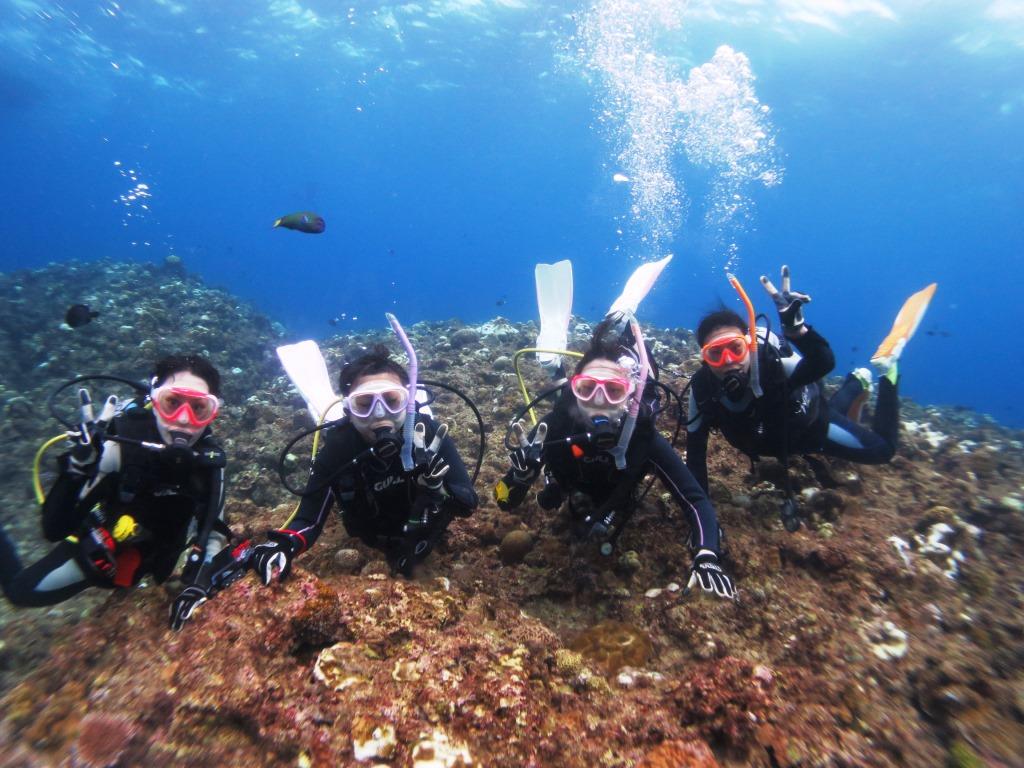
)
(185, 604)
(274, 557)
(708, 574)
(526, 459)
(789, 304)
(431, 464)
(87, 442)
(97, 549)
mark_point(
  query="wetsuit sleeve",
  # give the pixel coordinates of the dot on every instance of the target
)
(63, 509)
(457, 482)
(307, 523)
(697, 443)
(199, 570)
(687, 492)
(220, 532)
(818, 360)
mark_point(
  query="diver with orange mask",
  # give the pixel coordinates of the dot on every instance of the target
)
(765, 394)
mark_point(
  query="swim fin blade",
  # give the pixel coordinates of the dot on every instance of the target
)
(306, 367)
(638, 286)
(554, 302)
(907, 321)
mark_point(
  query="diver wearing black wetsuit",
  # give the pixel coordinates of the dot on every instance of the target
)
(792, 415)
(574, 445)
(587, 474)
(148, 506)
(379, 502)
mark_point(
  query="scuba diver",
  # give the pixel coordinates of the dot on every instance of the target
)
(395, 474)
(596, 445)
(141, 482)
(767, 399)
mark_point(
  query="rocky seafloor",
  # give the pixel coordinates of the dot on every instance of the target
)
(887, 631)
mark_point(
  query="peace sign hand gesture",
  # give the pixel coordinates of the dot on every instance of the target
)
(789, 303)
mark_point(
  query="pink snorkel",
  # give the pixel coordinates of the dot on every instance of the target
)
(410, 408)
(619, 451)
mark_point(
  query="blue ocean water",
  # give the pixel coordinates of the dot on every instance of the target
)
(873, 145)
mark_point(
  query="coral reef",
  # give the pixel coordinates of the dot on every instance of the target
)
(888, 630)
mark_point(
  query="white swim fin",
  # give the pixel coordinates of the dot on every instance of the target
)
(306, 367)
(554, 301)
(638, 286)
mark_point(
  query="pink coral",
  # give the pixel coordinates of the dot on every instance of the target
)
(103, 739)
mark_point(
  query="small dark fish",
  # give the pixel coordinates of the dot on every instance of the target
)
(334, 320)
(500, 302)
(79, 315)
(303, 221)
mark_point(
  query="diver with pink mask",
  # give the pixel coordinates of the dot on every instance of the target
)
(596, 446)
(140, 483)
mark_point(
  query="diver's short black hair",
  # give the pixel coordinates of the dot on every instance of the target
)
(720, 318)
(377, 360)
(196, 364)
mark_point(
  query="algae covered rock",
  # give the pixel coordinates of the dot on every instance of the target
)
(515, 546)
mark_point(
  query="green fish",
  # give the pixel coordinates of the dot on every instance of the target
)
(303, 221)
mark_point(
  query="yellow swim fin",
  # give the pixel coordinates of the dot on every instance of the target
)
(903, 329)
(277, 222)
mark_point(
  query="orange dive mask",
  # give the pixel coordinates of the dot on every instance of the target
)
(725, 351)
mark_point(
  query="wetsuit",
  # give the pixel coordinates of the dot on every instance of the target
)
(169, 498)
(376, 496)
(596, 489)
(793, 415)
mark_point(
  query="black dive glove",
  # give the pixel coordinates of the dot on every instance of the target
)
(87, 442)
(275, 555)
(185, 604)
(431, 465)
(789, 304)
(526, 459)
(708, 574)
(226, 567)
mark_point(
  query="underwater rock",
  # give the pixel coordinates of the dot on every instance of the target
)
(349, 559)
(515, 546)
(679, 754)
(436, 750)
(888, 642)
(463, 337)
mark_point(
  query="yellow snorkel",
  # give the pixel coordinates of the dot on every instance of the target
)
(755, 376)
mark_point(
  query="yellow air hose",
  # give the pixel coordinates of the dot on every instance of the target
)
(312, 456)
(37, 462)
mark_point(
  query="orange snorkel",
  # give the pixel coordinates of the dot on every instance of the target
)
(755, 374)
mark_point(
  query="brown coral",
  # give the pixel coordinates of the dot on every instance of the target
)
(614, 645)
